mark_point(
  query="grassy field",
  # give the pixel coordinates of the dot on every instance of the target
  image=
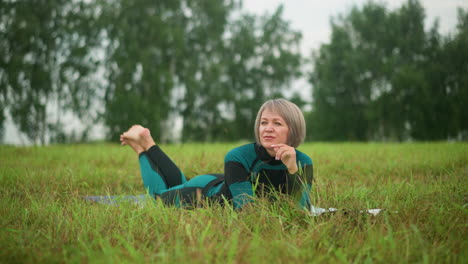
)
(422, 187)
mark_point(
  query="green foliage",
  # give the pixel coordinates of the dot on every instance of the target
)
(421, 187)
(152, 46)
(264, 60)
(45, 61)
(219, 71)
(257, 60)
(383, 77)
(156, 60)
(455, 61)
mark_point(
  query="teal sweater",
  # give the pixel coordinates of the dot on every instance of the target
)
(250, 167)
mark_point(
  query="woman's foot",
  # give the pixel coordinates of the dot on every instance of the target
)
(145, 139)
(133, 133)
(137, 137)
(134, 145)
(131, 137)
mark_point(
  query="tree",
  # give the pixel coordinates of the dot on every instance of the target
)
(455, 86)
(201, 70)
(257, 60)
(44, 56)
(383, 77)
(153, 48)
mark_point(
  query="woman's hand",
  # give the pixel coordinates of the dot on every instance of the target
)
(287, 155)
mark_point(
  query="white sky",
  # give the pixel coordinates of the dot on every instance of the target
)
(312, 17)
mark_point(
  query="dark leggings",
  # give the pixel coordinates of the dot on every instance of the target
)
(163, 179)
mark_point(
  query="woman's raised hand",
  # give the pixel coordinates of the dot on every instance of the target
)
(287, 155)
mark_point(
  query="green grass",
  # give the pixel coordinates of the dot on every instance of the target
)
(422, 187)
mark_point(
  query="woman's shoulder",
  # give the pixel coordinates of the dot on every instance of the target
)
(241, 152)
(303, 158)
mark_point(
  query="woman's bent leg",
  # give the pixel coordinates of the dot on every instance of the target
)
(170, 173)
(188, 193)
(153, 181)
(157, 170)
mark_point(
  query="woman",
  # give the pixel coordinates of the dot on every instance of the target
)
(272, 163)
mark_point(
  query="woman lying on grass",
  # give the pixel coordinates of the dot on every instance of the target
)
(271, 164)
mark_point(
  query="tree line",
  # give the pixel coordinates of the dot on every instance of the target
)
(381, 76)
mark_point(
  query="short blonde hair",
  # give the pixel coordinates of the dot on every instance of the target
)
(291, 114)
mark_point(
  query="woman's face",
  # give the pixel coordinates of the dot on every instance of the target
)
(272, 130)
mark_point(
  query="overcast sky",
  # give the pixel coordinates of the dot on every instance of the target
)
(312, 17)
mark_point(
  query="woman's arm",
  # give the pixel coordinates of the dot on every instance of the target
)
(237, 178)
(301, 182)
